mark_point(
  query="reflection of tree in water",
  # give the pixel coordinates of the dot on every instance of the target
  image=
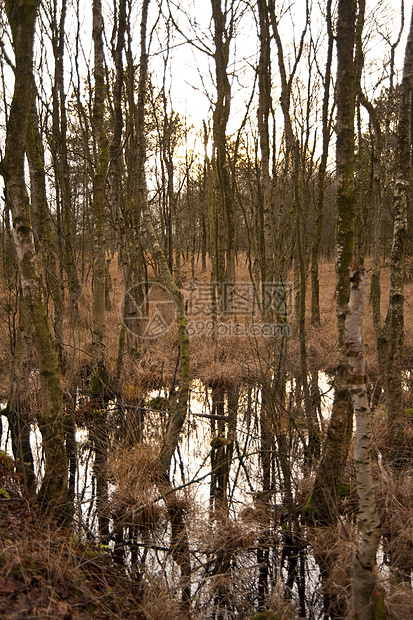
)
(237, 500)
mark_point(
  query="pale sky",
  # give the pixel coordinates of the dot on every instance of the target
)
(192, 70)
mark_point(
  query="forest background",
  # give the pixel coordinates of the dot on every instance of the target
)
(196, 201)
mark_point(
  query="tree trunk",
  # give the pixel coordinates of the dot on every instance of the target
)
(135, 194)
(42, 222)
(19, 407)
(99, 385)
(318, 224)
(325, 490)
(60, 158)
(224, 202)
(264, 216)
(366, 593)
(99, 376)
(393, 332)
(375, 287)
(53, 493)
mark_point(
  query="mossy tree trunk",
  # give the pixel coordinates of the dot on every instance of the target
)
(376, 198)
(392, 337)
(18, 408)
(117, 169)
(265, 232)
(337, 443)
(217, 272)
(42, 226)
(53, 492)
(132, 205)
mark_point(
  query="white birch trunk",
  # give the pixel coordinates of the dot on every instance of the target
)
(366, 595)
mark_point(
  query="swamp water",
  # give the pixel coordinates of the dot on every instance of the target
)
(251, 537)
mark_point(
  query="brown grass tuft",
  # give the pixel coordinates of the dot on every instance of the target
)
(395, 501)
(398, 602)
(46, 573)
(158, 603)
(333, 549)
(134, 475)
(228, 535)
(278, 606)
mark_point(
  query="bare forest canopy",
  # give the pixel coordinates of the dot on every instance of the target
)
(206, 279)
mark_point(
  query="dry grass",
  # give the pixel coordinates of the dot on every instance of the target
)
(45, 573)
(333, 550)
(228, 535)
(278, 606)
(395, 501)
(398, 602)
(235, 357)
(133, 472)
(56, 577)
(50, 573)
(159, 603)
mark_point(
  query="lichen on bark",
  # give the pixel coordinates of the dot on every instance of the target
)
(53, 493)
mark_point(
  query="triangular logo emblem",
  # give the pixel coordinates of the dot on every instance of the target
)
(156, 326)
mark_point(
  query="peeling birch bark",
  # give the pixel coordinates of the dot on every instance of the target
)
(366, 594)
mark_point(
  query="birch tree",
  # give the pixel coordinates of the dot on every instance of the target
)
(265, 231)
(130, 217)
(367, 596)
(293, 155)
(18, 408)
